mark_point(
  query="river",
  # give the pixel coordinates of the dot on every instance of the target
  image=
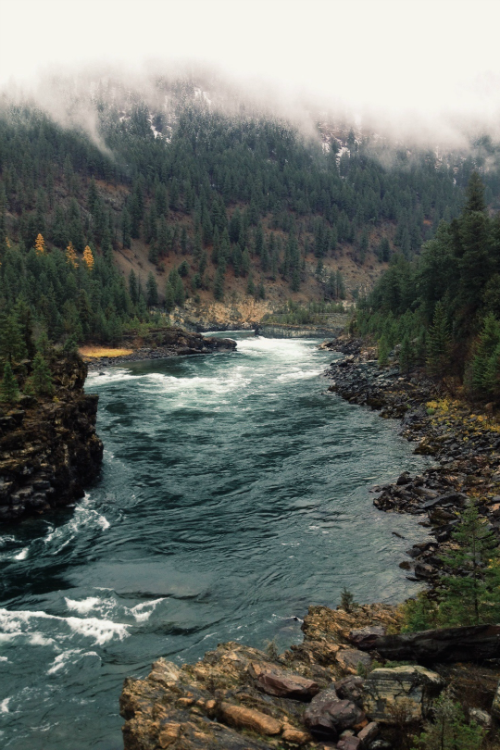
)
(233, 494)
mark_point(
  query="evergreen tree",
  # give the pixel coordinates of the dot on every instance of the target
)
(438, 343)
(219, 284)
(169, 297)
(9, 390)
(151, 291)
(406, 355)
(42, 378)
(471, 595)
(133, 288)
(12, 344)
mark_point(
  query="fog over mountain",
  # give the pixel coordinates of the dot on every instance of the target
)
(421, 71)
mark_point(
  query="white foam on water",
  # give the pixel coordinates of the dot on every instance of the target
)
(83, 606)
(101, 631)
(83, 516)
(22, 555)
(103, 523)
(39, 640)
(140, 611)
(4, 706)
(299, 375)
(109, 607)
(20, 623)
(6, 539)
(3, 658)
(110, 376)
(61, 660)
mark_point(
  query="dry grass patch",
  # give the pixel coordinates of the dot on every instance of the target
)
(92, 352)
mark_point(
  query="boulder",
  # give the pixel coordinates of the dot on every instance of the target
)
(350, 660)
(247, 718)
(470, 643)
(328, 715)
(400, 694)
(349, 743)
(317, 717)
(364, 635)
(350, 688)
(368, 734)
(482, 718)
(295, 736)
(283, 684)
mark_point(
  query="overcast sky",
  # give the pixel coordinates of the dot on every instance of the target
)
(427, 57)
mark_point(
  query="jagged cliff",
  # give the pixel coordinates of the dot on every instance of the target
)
(49, 450)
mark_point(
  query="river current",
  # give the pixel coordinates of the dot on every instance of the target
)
(234, 493)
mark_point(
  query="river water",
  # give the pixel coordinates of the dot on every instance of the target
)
(234, 493)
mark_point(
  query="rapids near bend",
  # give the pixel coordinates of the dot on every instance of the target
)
(233, 494)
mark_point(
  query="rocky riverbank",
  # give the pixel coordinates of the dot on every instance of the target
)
(161, 343)
(340, 687)
(49, 451)
(464, 445)
(327, 692)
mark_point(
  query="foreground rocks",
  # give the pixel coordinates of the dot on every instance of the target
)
(49, 451)
(238, 697)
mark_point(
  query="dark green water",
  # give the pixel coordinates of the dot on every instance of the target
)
(234, 493)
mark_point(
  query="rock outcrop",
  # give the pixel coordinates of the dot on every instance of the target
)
(159, 343)
(401, 694)
(239, 698)
(49, 451)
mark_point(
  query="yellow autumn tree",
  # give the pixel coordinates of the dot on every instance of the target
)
(71, 255)
(88, 258)
(40, 245)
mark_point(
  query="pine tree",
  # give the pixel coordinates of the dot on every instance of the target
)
(471, 595)
(250, 285)
(42, 378)
(12, 344)
(133, 288)
(169, 297)
(9, 390)
(219, 284)
(438, 343)
(88, 258)
(40, 245)
(406, 355)
(383, 351)
(151, 291)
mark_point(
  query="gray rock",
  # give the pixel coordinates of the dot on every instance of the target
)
(349, 743)
(407, 690)
(368, 733)
(482, 718)
(351, 659)
(350, 688)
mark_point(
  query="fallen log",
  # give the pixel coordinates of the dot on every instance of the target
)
(475, 643)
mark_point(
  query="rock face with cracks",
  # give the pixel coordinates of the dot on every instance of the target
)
(49, 451)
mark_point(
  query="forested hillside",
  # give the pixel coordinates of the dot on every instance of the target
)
(179, 200)
(443, 308)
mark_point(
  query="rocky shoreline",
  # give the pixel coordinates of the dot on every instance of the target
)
(465, 447)
(328, 692)
(49, 450)
(162, 343)
(339, 687)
